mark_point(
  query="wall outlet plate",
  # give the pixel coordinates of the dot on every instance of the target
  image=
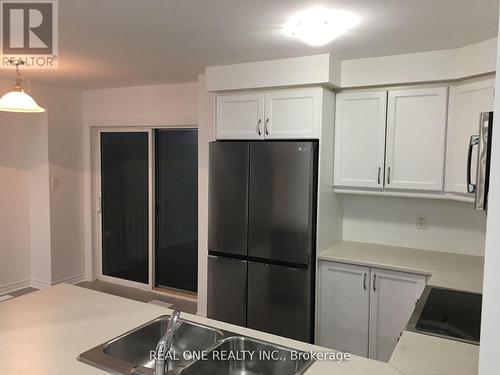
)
(421, 221)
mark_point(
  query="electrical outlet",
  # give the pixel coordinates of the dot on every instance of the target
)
(421, 221)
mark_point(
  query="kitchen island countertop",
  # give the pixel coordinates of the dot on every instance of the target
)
(43, 332)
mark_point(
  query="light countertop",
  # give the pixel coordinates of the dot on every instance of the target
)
(418, 353)
(43, 332)
(446, 270)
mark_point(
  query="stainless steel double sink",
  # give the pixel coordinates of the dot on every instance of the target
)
(196, 349)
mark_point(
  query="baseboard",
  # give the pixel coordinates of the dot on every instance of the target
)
(39, 284)
(68, 280)
(12, 287)
(72, 279)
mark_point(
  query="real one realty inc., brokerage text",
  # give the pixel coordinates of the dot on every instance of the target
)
(245, 355)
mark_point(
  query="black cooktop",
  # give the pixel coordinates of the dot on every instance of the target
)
(449, 313)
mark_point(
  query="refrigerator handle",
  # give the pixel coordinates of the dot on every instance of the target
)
(474, 141)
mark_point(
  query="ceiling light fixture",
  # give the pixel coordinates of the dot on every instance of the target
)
(17, 100)
(319, 26)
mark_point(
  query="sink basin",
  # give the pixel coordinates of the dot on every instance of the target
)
(132, 349)
(267, 359)
(131, 352)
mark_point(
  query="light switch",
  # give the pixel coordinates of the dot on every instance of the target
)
(54, 182)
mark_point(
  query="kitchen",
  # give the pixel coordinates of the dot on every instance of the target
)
(351, 169)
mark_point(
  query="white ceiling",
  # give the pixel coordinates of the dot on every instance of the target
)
(112, 43)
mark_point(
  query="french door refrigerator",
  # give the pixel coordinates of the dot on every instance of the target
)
(261, 240)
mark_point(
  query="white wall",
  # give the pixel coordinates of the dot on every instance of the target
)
(65, 153)
(489, 360)
(161, 105)
(441, 65)
(40, 249)
(451, 227)
(173, 105)
(50, 144)
(15, 134)
(206, 133)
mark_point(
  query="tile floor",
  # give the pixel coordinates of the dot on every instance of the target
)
(182, 304)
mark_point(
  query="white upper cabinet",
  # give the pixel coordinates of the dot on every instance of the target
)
(360, 139)
(277, 114)
(392, 301)
(467, 101)
(416, 139)
(240, 116)
(344, 307)
(294, 113)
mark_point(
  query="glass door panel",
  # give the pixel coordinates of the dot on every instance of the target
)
(124, 194)
(176, 225)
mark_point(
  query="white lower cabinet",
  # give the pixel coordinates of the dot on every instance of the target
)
(344, 307)
(392, 300)
(363, 310)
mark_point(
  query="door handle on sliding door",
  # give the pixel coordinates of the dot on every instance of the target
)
(474, 141)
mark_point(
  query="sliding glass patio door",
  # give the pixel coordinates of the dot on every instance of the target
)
(148, 203)
(176, 198)
(125, 205)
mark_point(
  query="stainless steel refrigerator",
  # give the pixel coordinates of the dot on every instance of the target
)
(483, 142)
(261, 240)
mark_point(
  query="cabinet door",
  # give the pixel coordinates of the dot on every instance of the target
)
(293, 114)
(240, 116)
(415, 146)
(360, 139)
(392, 300)
(467, 101)
(344, 307)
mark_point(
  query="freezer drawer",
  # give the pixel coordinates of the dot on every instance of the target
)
(228, 197)
(227, 290)
(282, 201)
(279, 300)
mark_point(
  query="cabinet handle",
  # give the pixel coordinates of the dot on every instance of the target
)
(258, 127)
(364, 281)
(474, 141)
(266, 126)
(378, 176)
(388, 175)
(374, 279)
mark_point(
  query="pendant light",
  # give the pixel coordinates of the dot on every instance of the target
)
(17, 100)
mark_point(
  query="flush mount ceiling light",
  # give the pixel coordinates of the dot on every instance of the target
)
(319, 26)
(17, 100)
